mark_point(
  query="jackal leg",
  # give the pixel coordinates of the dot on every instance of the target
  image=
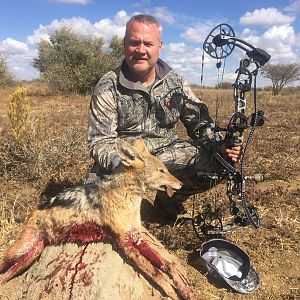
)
(24, 251)
(181, 283)
(21, 255)
(33, 240)
(153, 265)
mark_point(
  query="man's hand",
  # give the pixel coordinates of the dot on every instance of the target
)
(232, 154)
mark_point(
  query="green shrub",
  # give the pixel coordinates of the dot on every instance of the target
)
(72, 63)
(5, 76)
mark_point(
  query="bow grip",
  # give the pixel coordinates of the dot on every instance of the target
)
(233, 142)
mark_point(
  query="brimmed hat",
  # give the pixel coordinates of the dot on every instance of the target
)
(226, 261)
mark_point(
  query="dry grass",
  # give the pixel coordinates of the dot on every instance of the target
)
(57, 157)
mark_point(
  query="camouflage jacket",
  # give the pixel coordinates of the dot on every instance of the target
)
(121, 107)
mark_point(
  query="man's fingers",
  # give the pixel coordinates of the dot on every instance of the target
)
(236, 148)
(233, 156)
(234, 153)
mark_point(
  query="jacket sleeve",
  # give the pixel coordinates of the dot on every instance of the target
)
(195, 115)
(200, 127)
(103, 120)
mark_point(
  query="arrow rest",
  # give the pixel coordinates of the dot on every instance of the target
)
(219, 44)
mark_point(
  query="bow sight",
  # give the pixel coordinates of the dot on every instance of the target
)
(219, 44)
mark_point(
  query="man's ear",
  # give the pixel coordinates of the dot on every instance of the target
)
(160, 47)
(129, 155)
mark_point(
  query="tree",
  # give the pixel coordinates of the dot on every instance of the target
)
(281, 75)
(74, 63)
(5, 76)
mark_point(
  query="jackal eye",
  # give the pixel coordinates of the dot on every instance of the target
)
(162, 170)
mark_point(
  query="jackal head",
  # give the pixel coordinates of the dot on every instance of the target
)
(150, 170)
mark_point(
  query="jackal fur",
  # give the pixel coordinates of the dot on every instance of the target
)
(112, 206)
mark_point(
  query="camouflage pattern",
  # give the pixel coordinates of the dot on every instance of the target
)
(122, 108)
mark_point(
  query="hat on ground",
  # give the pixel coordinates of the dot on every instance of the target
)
(226, 261)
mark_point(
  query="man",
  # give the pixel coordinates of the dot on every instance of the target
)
(145, 97)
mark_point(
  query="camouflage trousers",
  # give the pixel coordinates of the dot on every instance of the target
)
(185, 161)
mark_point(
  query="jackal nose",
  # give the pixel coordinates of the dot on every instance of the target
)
(179, 185)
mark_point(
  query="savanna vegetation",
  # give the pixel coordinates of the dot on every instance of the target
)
(43, 150)
(71, 63)
(281, 75)
(6, 77)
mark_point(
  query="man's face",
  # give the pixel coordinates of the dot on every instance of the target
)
(142, 45)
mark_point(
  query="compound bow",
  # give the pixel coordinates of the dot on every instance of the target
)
(219, 44)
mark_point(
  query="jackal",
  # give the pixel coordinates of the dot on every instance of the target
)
(106, 209)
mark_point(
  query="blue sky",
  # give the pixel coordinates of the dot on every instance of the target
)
(272, 25)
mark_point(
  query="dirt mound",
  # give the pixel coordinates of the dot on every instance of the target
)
(92, 271)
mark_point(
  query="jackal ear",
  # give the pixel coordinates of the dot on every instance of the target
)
(129, 155)
(139, 144)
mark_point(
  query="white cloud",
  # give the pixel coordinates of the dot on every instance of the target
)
(186, 60)
(121, 18)
(73, 1)
(278, 41)
(12, 46)
(247, 32)
(265, 17)
(284, 33)
(293, 7)
(20, 56)
(297, 42)
(198, 32)
(164, 15)
(192, 56)
(77, 25)
(106, 28)
(21, 67)
(176, 47)
(194, 34)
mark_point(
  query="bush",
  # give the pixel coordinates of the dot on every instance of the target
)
(5, 76)
(224, 85)
(73, 63)
(18, 113)
(32, 150)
